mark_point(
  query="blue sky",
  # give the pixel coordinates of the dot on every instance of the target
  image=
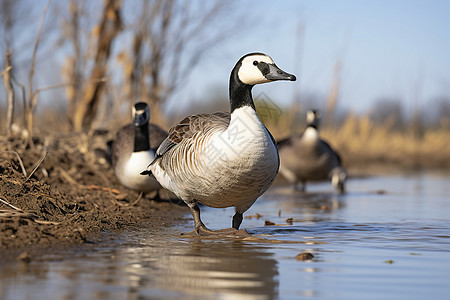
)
(397, 49)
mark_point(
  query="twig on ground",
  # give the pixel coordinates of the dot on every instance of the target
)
(10, 205)
(117, 200)
(20, 214)
(138, 199)
(103, 188)
(66, 176)
(46, 222)
(36, 165)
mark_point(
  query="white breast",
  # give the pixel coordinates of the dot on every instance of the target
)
(311, 135)
(245, 137)
(137, 163)
(223, 168)
(242, 161)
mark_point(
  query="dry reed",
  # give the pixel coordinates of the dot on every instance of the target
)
(361, 142)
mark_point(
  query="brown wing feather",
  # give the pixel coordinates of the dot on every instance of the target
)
(190, 125)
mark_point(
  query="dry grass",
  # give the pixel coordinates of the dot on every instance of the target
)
(363, 143)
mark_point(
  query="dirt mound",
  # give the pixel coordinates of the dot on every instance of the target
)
(62, 191)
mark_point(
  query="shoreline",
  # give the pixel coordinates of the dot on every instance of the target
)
(71, 198)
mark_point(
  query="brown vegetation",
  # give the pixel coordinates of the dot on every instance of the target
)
(362, 142)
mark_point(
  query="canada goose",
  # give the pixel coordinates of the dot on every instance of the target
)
(134, 147)
(223, 159)
(307, 157)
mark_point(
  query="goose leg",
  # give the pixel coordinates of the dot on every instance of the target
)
(158, 196)
(200, 228)
(299, 188)
(303, 186)
(341, 188)
(237, 220)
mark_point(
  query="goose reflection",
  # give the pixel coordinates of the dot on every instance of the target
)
(207, 268)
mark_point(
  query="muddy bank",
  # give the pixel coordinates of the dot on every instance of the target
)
(62, 191)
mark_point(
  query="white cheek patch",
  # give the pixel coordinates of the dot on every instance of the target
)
(249, 73)
(310, 116)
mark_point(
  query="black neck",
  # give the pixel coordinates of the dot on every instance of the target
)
(141, 138)
(312, 126)
(240, 93)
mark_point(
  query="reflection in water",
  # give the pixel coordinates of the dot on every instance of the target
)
(206, 268)
(161, 267)
(310, 207)
(22, 275)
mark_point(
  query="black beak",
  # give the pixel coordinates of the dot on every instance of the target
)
(276, 73)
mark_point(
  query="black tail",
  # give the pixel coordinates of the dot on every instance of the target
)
(146, 172)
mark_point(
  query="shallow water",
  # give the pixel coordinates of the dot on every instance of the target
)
(387, 238)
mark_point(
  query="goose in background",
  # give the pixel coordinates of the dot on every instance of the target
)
(134, 148)
(223, 159)
(307, 157)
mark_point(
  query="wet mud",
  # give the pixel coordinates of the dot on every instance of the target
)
(61, 191)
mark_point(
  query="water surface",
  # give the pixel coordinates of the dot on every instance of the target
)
(387, 238)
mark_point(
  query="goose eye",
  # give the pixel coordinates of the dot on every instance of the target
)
(255, 63)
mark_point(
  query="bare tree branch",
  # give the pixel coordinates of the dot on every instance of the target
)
(32, 97)
(108, 29)
(73, 70)
(24, 98)
(170, 37)
(5, 71)
(10, 90)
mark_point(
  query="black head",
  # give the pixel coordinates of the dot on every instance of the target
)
(313, 118)
(141, 114)
(256, 68)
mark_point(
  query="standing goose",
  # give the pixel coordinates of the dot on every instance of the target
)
(134, 147)
(308, 157)
(222, 159)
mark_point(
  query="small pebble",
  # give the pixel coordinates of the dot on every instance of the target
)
(122, 196)
(304, 256)
(24, 257)
(268, 223)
